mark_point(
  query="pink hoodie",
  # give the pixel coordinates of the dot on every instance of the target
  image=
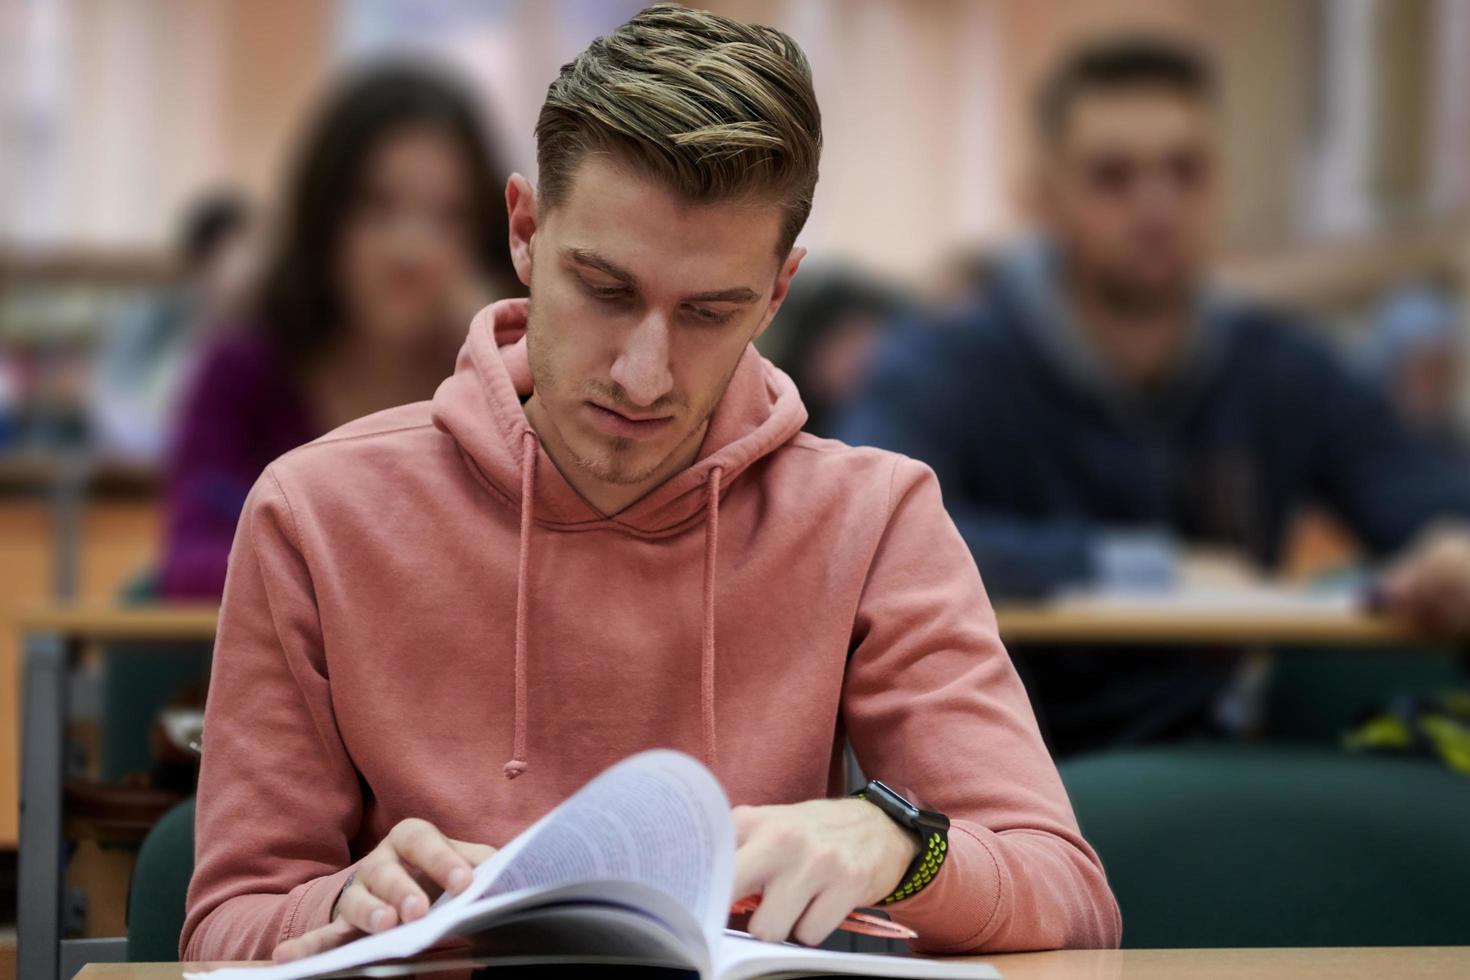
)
(418, 606)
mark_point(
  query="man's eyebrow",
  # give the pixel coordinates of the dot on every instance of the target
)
(735, 294)
(583, 256)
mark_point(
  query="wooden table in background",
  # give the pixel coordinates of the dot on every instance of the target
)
(1020, 623)
(103, 623)
(1338, 963)
(1061, 624)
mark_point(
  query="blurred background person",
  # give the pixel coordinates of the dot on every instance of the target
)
(1099, 414)
(827, 333)
(1414, 354)
(391, 236)
(149, 345)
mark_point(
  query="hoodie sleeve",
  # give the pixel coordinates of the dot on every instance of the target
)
(278, 796)
(934, 708)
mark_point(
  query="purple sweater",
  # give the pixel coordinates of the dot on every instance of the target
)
(241, 411)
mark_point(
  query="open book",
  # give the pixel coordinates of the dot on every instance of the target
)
(634, 868)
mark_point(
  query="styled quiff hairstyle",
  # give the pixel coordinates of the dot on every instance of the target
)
(714, 109)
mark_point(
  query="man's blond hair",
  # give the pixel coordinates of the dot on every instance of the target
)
(712, 108)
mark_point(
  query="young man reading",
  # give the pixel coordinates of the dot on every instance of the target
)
(607, 533)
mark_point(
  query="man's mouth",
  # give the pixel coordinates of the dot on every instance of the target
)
(615, 423)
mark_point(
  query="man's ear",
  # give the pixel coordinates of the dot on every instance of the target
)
(520, 205)
(781, 288)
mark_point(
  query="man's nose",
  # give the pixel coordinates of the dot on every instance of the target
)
(1161, 193)
(642, 367)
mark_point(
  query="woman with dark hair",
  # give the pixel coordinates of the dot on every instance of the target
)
(392, 234)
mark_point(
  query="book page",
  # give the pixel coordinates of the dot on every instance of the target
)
(657, 820)
(404, 940)
(743, 958)
(1254, 600)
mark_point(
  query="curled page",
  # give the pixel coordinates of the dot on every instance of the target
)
(657, 820)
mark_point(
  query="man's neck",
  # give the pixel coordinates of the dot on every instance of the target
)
(607, 497)
(1141, 346)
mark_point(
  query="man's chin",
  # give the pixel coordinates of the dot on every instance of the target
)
(1145, 295)
(619, 462)
(626, 461)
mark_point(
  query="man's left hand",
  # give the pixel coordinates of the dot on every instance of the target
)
(1430, 585)
(812, 863)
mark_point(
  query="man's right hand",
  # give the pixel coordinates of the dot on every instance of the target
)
(395, 883)
(1430, 586)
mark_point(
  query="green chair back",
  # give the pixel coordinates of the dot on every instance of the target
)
(1315, 695)
(1229, 845)
(160, 887)
(138, 678)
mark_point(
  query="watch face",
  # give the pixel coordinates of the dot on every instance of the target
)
(894, 805)
(903, 811)
(933, 821)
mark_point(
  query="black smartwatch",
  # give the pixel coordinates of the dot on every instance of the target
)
(932, 830)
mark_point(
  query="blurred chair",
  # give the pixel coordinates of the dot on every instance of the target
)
(145, 766)
(160, 886)
(1316, 695)
(1219, 845)
(139, 680)
(150, 696)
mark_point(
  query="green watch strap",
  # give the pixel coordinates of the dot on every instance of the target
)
(926, 864)
(933, 848)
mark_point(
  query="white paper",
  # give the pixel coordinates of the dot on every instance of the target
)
(741, 958)
(657, 819)
(1256, 600)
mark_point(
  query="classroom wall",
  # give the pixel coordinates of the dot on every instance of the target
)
(926, 104)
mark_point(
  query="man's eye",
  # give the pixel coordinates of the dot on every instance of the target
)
(706, 315)
(609, 293)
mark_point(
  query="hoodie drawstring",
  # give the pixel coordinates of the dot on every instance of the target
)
(707, 646)
(517, 763)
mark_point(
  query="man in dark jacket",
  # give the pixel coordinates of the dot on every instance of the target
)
(1099, 413)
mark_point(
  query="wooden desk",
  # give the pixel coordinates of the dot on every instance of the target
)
(1062, 624)
(103, 623)
(1341, 963)
(1019, 623)
(39, 474)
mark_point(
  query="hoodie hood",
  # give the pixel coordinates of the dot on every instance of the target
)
(479, 406)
